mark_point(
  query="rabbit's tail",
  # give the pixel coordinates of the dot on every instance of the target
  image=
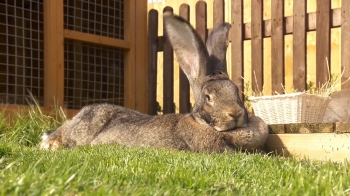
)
(51, 140)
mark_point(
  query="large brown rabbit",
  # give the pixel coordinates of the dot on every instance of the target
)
(217, 123)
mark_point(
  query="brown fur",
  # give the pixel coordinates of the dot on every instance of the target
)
(108, 124)
(218, 121)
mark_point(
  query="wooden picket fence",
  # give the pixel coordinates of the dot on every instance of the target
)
(322, 21)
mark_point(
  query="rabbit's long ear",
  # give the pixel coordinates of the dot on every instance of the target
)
(190, 50)
(217, 45)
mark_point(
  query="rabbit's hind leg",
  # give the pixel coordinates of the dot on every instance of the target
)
(51, 140)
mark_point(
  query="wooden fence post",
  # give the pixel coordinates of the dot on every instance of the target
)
(53, 53)
(257, 45)
(299, 45)
(323, 35)
(152, 61)
(130, 55)
(185, 105)
(237, 65)
(277, 46)
(141, 80)
(218, 12)
(201, 20)
(168, 71)
(345, 43)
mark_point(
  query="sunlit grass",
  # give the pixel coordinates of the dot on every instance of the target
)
(116, 170)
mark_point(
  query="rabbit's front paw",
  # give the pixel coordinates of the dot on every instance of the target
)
(50, 142)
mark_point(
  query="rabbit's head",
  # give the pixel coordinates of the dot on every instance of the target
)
(217, 102)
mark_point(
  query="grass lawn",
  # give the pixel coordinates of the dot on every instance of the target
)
(115, 170)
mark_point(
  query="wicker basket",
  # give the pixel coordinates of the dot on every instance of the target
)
(290, 108)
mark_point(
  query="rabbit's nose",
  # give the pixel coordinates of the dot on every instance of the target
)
(238, 118)
(234, 113)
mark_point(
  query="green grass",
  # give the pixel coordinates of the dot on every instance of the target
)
(116, 170)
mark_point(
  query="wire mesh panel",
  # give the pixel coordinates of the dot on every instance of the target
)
(21, 51)
(99, 17)
(93, 74)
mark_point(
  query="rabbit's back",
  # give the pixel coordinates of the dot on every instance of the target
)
(105, 124)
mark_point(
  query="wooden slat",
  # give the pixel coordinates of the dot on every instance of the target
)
(277, 46)
(152, 61)
(185, 104)
(96, 39)
(141, 57)
(54, 53)
(277, 128)
(299, 45)
(257, 46)
(303, 128)
(342, 127)
(218, 12)
(201, 20)
(322, 41)
(160, 43)
(309, 128)
(345, 43)
(168, 73)
(130, 55)
(288, 24)
(10, 109)
(236, 36)
(318, 146)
